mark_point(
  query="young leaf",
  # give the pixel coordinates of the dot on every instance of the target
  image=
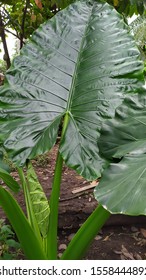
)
(39, 201)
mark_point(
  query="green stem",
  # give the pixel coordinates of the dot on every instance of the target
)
(54, 202)
(85, 235)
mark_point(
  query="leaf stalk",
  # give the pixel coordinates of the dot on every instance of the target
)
(85, 235)
(54, 201)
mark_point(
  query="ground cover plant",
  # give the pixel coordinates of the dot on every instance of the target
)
(9, 247)
(76, 70)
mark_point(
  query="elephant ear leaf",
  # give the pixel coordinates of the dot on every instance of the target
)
(123, 140)
(79, 64)
(122, 188)
(39, 201)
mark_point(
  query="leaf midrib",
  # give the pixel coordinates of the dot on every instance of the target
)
(72, 88)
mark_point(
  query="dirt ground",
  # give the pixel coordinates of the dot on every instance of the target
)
(122, 237)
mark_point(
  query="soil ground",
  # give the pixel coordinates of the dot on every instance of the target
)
(122, 237)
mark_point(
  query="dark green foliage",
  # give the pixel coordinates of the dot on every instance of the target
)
(9, 247)
(129, 7)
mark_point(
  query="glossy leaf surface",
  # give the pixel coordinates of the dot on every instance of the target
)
(122, 188)
(82, 62)
(126, 133)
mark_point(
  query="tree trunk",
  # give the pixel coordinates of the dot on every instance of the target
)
(3, 38)
(23, 24)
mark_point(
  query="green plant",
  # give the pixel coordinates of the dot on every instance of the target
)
(9, 247)
(41, 160)
(3, 67)
(126, 144)
(76, 70)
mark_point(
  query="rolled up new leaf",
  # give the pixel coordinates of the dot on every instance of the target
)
(39, 201)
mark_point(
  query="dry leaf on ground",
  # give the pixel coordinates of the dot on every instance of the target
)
(143, 231)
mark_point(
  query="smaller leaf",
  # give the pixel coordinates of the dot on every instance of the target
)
(9, 181)
(6, 256)
(39, 201)
(126, 254)
(98, 237)
(6, 229)
(137, 256)
(62, 247)
(12, 243)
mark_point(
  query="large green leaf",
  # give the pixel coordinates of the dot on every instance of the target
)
(126, 133)
(80, 63)
(123, 185)
(122, 188)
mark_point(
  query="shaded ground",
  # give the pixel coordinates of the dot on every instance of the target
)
(121, 238)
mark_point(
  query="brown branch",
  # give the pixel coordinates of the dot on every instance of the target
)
(15, 35)
(3, 38)
(23, 24)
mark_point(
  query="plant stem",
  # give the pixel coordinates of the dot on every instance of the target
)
(85, 235)
(54, 202)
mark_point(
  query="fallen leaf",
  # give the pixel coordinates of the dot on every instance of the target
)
(143, 231)
(94, 183)
(117, 252)
(141, 241)
(59, 255)
(107, 237)
(125, 252)
(134, 229)
(98, 237)
(137, 256)
(79, 177)
(70, 237)
(62, 246)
